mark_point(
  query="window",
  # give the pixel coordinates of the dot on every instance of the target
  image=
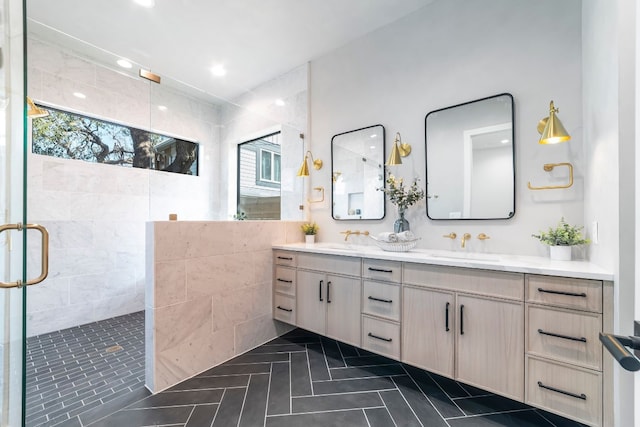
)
(259, 175)
(74, 136)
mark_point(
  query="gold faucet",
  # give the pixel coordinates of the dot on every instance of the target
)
(451, 235)
(357, 233)
(466, 237)
(483, 236)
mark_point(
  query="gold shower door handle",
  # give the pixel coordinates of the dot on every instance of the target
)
(44, 254)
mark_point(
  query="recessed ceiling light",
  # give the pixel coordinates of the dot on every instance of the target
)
(162, 108)
(79, 95)
(124, 63)
(505, 141)
(373, 147)
(218, 70)
(145, 3)
(279, 102)
(374, 135)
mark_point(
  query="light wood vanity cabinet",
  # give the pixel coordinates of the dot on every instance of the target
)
(328, 296)
(529, 337)
(564, 355)
(472, 337)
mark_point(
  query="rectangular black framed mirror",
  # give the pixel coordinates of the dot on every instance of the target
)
(470, 160)
(357, 171)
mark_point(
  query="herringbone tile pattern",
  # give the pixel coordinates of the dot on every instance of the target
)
(304, 380)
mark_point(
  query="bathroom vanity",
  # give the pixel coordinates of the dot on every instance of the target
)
(522, 327)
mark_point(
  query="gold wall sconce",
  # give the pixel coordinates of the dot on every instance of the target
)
(552, 131)
(549, 167)
(304, 168)
(33, 111)
(398, 151)
(321, 199)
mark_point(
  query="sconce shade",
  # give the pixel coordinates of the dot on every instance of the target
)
(551, 129)
(394, 158)
(304, 168)
(33, 111)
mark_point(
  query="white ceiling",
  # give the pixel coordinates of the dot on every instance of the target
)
(255, 40)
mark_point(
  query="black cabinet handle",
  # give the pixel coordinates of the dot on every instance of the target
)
(566, 337)
(380, 338)
(380, 270)
(462, 319)
(446, 317)
(283, 280)
(581, 396)
(571, 294)
(380, 300)
(285, 258)
(328, 292)
(320, 290)
(285, 309)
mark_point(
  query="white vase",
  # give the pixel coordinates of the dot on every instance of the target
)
(560, 253)
(309, 239)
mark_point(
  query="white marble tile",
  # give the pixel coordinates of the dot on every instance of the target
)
(50, 294)
(262, 266)
(120, 82)
(69, 234)
(255, 332)
(59, 318)
(240, 306)
(117, 306)
(170, 283)
(119, 283)
(218, 275)
(87, 288)
(249, 236)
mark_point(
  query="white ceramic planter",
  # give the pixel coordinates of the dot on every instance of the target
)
(309, 239)
(560, 253)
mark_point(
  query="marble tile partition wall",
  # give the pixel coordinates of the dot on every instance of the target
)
(208, 293)
(96, 214)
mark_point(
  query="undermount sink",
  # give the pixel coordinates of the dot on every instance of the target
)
(339, 246)
(467, 256)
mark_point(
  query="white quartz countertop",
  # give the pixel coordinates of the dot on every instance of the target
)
(483, 261)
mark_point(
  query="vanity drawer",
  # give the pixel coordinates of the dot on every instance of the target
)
(580, 294)
(285, 280)
(381, 299)
(564, 335)
(380, 336)
(488, 283)
(389, 271)
(284, 308)
(341, 265)
(284, 258)
(565, 390)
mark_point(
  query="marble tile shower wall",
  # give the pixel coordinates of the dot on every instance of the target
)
(208, 294)
(96, 213)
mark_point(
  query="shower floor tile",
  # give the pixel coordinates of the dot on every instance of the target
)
(85, 370)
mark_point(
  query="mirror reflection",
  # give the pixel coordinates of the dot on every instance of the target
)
(470, 160)
(357, 170)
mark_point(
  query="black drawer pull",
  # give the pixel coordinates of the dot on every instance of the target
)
(285, 258)
(380, 300)
(461, 319)
(379, 338)
(446, 317)
(285, 281)
(570, 294)
(566, 393)
(285, 309)
(320, 290)
(566, 337)
(380, 270)
(328, 292)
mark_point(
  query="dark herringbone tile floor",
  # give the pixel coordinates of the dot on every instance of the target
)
(304, 380)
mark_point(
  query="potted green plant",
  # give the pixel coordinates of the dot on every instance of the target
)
(561, 239)
(310, 229)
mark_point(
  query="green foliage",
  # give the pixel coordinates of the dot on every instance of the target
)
(563, 235)
(240, 216)
(399, 195)
(310, 228)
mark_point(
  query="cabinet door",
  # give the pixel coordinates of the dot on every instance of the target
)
(428, 330)
(491, 345)
(310, 301)
(343, 309)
